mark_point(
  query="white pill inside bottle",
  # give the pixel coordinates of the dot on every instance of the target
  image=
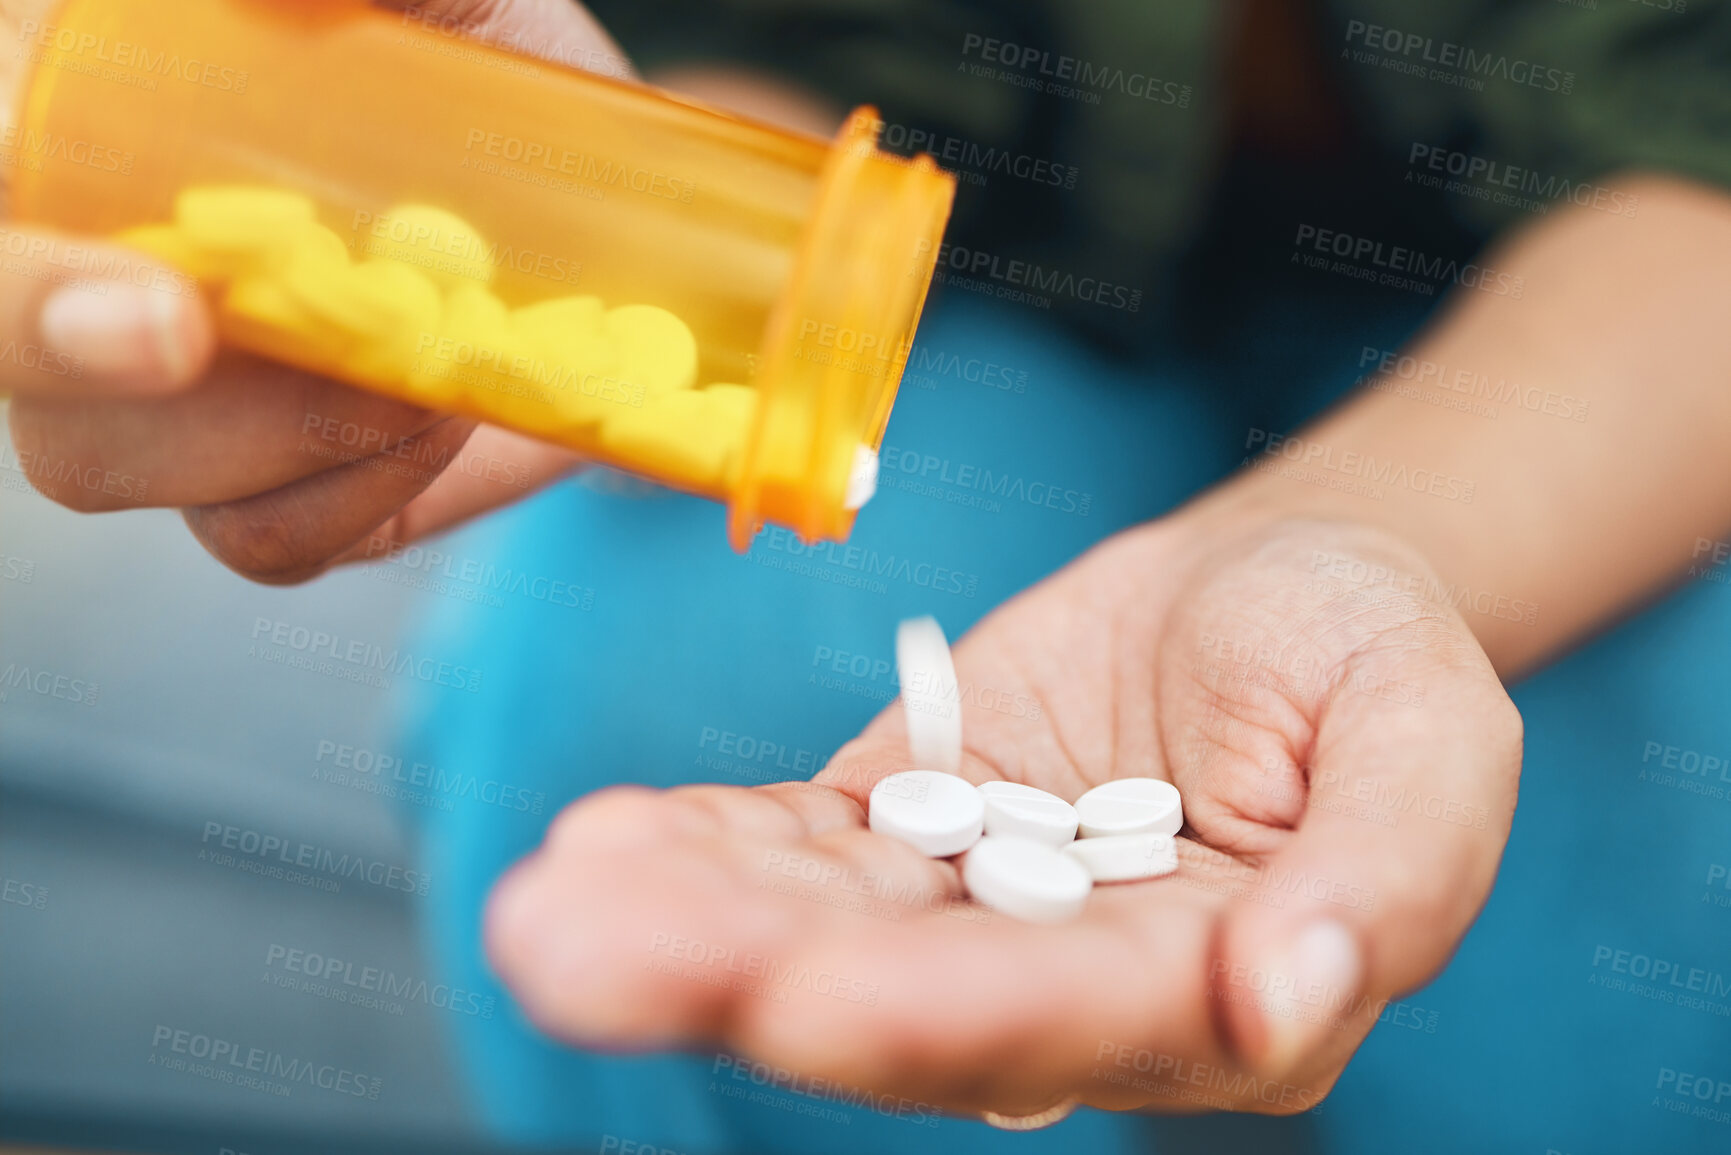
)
(1026, 880)
(1018, 811)
(1130, 806)
(937, 814)
(1125, 857)
(930, 702)
(862, 480)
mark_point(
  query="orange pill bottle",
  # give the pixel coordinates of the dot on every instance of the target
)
(560, 216)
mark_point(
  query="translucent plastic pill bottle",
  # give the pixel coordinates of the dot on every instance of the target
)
(717, 305)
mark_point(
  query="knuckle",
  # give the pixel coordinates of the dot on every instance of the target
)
(615, 816)
(622, 803)
(571, 825)
(566, 827)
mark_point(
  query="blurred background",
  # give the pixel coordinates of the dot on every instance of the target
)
(212, 839)
(112, 923)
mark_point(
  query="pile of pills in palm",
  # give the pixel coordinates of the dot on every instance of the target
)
(415, 316)
(1026, 852)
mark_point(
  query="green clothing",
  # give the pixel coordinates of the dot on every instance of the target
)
(1126, 102)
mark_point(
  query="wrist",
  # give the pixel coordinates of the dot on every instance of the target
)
(1366, 552)
(1251, 507)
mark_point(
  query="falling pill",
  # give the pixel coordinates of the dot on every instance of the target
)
(929, 699)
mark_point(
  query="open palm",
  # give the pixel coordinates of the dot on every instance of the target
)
(1348, 762)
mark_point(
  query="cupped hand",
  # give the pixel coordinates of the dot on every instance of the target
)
(121, 399)
(1348, 762)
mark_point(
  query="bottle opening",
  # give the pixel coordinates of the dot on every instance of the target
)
(838, 340)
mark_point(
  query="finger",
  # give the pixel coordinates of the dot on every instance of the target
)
(81, 318)
(253, 426)
(648, 916)
(559, 30)
(769, 922)
(940, 1004)
(667, 918)
(955, 996)
(494, 467)
(293, 533)
(1408, 808)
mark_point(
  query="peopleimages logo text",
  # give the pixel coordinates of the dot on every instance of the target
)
(18, 144)
(1400, 259)
(1496, 177)
(977, 479)
(138, 60)
(592, 170)
(48, 684)
(378, 980)
(365, 655)
(257, 1060)
(869, 563)
(1035, 278)
(309, 856)
(1082, 73)
(1460, 57)
(974, 370)
(1365, 466)
(973, 158)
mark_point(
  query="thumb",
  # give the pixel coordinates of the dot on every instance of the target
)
(562, 31)
(1407, 809)
(83, 318)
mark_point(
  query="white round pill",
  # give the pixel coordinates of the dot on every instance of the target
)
(862, 479)
(1130, 806)
(1125, 857)
(1026, 880)
(937, 814)
(1018, 811)
(929, 699)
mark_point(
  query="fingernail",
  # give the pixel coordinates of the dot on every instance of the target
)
(174, 341)
(1318, 975)
(123, 333)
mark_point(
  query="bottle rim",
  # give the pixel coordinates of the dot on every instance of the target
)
(837, 341)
